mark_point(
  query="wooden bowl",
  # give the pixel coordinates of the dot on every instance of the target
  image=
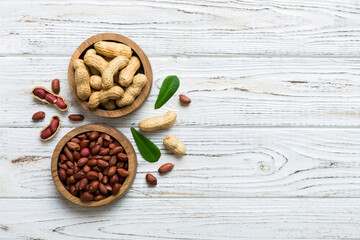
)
(132, 163)
(145, 69)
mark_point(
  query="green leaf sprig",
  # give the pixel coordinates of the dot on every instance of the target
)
(148, 150)
(168, 88)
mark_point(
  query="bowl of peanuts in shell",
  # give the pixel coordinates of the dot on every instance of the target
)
(110, 75)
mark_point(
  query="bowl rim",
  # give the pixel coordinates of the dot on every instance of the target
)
(145, 63)
(119, 136)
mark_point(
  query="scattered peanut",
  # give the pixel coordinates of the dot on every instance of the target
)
(93, 60)
(127, 74)
(50, 130)
(55, 86)
(113, 49)
(46, 96)
(38, 116)
(166, 168)
(151, 179)
(174, 144)
(114, 65)
(133, 91)
(76, 117)
(96, 82)
(82, 79)
(156, 123)
(184, 99)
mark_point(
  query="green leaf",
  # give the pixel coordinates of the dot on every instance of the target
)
(167, 90)
(149, 151)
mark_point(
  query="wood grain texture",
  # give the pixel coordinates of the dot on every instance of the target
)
(188, 27)
(117, 135)
(220, 162)
(145, 69)
(232, 92)
(263, 133)
(186, 219)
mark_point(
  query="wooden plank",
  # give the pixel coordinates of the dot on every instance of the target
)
(195, 218)
(190, 27)
(226, 91)
(219, 162)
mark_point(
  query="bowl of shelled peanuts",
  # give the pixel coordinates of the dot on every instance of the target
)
(110, 75)
(93, 165)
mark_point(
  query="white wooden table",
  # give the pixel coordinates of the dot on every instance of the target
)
(272, 134)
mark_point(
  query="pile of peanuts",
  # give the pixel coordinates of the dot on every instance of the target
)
(106, 76)
(93, 166)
